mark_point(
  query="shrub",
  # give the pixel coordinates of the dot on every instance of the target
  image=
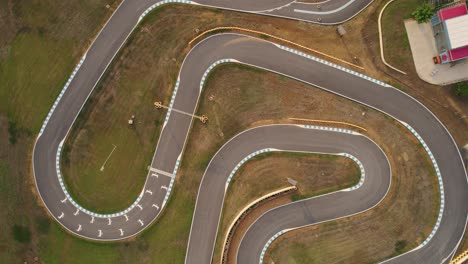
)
(423, 13)
(13, 132)
(43, 225)
(461, 89)
(21, 233)
(400, 246)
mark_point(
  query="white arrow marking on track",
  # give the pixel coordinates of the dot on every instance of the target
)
(155, 175)
(121, 232)
(64, 200)
(100, 233)
(110, 221)
(155, 205)
(164, 187)
(150, 192)
(126, 217)
(77, 211)
(92, 219)
(79, 228)
(141, 222)
(61, 216)
(139, 206)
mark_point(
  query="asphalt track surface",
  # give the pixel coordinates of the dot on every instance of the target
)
(168, 153)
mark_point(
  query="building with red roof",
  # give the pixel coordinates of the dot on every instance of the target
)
(450, 26)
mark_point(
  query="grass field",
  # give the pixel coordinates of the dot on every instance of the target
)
(396, 44)
(315, 174)
(229, 112)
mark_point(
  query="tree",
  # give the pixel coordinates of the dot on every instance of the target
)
(461, 89)
(423, 13)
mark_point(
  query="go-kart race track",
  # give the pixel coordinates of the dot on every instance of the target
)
(439, 247)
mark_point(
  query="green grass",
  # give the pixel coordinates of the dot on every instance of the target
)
(396, 44)
(21, 234)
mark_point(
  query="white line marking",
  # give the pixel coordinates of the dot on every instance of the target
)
(141, 222)
(150, 192)
(92, 219)
(170, 175)
(139, 206)
(104, 164)
(79, 228)
(121, 232)
(64, 200)
(155, 205)
(77, 211)
(155, 175)
(164, 187)
(110, 221)
(100, 233)
(61, 216)
(126, 218)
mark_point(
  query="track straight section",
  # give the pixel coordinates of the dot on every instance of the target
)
(262, 54)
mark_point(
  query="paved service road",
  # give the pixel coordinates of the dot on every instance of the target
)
(168, 153)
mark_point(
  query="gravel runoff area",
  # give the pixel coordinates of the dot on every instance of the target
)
(423, 48)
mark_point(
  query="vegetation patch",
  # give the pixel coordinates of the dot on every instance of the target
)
(21, 233)
(423, 13)
(461, 89)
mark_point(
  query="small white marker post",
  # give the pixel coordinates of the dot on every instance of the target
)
(104, 164)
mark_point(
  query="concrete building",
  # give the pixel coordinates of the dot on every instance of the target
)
(450, 27)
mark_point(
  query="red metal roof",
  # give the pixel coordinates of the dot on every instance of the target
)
(451, 12)
(457, 54)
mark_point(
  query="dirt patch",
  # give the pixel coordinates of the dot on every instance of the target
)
(266, 173)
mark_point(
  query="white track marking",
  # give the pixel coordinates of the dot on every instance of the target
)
(149, 191)
(155, 175)
(141, 222)
(110, 221)
(126, 218)
(170, 175)
(155, 205)
(139, 206)
(104, 164)
(121, 232)
(100, 233)
(164, 187)
(77, 211)
(61, 216)
(79, 228)
(92, 219)
(64, 200)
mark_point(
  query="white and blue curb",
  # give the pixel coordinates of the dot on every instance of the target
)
(244, 160)
(439, 180)
(341, 68)
(163, 3)
(62, 92)
(79, 207)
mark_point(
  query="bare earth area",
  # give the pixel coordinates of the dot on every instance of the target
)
(269, 172)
